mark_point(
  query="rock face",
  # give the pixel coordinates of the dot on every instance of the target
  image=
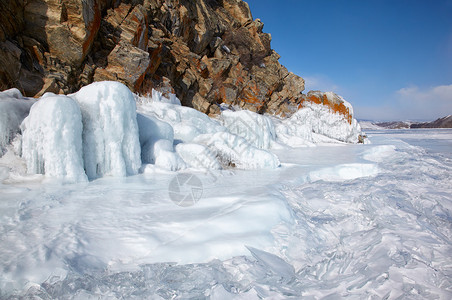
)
(211, 52)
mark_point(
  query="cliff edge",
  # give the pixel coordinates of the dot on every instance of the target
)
(209, 52)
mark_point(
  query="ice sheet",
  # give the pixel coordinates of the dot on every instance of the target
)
(382, 235)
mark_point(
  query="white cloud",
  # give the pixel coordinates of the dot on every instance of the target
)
(430, 103)
(412, 103)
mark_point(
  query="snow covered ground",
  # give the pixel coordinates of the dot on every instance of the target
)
(357, 221)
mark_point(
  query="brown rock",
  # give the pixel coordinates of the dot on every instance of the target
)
(11, 18)
(10, 57)
(210, 52)
(67, 28)
(50, 85)
(127, 64)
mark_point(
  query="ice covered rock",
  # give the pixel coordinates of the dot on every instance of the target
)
(293, 132)
(257, 129)
(235, 151)
(198, 156)
(111, 143)
(187, 122)
(52, 139)
(328, 114)
(13, 110)
(156, 140)
(159, 97)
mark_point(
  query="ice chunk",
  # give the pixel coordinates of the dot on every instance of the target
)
(156, 139)
(110, 131)
(165, 157)
(52, 139)
(276, 264)
(198, 156)
(257, 129)
(13, 110)
(233, 150)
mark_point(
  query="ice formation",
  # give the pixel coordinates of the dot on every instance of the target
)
(157, 143)
(116, 141)
(110, 132)
(323, 121)
(198, 156)
(267, 234)
(13, 110)
(257, 129)
(52, 139)
(187, 122)
(235, 151)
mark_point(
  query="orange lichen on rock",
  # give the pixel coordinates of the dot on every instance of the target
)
(335, 104)
(250, 95)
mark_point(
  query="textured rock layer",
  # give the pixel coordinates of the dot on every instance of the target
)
(211, 52)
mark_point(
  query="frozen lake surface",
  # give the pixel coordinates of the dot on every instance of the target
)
(344, 221)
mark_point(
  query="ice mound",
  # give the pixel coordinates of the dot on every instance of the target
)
(198, 156)
(379, 153)
(202, 142)
(156, 140)
(187, 122)
(111, 144)
(52, 139)
(115, 141)
(13, 110)
(344, 172)
(318, 118)
(235, 151)
(257, 129)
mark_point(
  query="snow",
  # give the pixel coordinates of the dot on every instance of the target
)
(52, 139)
(156, 141)
(159, 97)
(110, 132)
(187, 122)
(384, 232)
(257, 129)
(13, 110)
(235, 151)
(369, 125)
(198, 156)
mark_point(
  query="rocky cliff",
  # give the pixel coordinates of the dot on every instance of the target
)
(209, 51)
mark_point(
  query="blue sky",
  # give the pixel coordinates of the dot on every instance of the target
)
(392, 59)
